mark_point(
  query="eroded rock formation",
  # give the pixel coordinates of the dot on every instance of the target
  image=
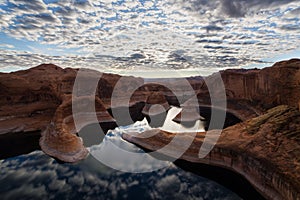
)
(42, 99)
(265, 150)
(190, 112)
(258, 90)
(156, 103)
(59, 139)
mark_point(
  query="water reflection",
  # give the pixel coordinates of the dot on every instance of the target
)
(171, 126)
(37, 176)
(127, 157)
(123, 155)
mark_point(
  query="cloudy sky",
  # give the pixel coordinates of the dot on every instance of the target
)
(194, 37)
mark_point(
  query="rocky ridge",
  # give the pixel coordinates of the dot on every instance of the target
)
(40, 99)
(265, 150)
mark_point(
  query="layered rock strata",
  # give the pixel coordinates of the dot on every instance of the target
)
(31, 99)
(60, 140)
(265, 150)
(156, 103)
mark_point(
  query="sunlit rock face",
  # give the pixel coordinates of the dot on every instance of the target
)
(39, 99)
(257, 149)
(59, 139)
(28, 99)
(257, 90)
(32, 99)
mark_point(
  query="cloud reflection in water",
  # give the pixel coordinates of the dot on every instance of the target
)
(37, 176)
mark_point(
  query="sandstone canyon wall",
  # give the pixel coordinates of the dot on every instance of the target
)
(40, 99)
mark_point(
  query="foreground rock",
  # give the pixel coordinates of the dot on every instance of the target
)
(265, 150)
(40, 100)
(59, 139)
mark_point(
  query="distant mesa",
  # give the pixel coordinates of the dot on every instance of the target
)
(155, 109)
(156, 103)
(188, 114)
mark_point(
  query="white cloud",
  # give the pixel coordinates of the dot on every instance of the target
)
(248, 31)
(8, 46)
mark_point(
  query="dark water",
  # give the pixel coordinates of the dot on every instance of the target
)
(37, 176)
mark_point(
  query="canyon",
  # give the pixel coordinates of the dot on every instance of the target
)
(260, 136)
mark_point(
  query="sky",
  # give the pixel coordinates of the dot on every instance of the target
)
(157, 38)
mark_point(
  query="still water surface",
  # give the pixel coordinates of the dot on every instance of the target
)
(38, 176)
